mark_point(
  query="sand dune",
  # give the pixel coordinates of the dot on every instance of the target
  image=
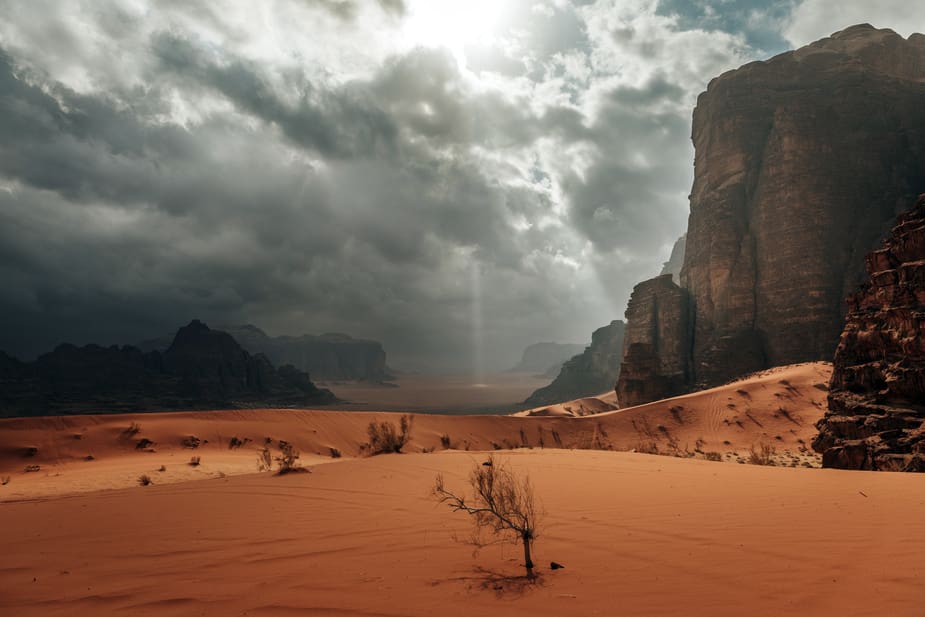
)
(776, 409)
(639, 535)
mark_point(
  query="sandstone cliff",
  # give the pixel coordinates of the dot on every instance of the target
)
(676, 260)
(592, 372)
(802, 163)
(656, 345)
(877, 393)
(202, 369)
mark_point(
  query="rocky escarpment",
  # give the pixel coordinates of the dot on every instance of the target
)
(877, 393)
(329, 357)
(546, 358)
(593, 371)
(656, 344)
(202, 369)
(802, 163)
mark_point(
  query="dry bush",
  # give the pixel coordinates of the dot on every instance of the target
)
(445, 441)
(236, 443)
(144, 480)
(194, 461)
(32, 468)
(191, 442)
(713, 456)
(143, 443)
(385, 438)
(264, 459)
(288, 459)
(335, 453)
(764, 455)
(503, 504)
(133, 429)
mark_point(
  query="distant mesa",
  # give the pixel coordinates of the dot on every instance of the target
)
(201, 369)
(329, 357)
(546, 358)
(592, 372)
(802, 164)
(876, 416)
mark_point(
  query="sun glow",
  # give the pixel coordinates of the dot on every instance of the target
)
(454, 24)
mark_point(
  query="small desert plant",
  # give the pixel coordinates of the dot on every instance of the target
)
(764, 455)
(288, 458)
(335, 453)
(713, 456)
(190, 442)
(264, 459)
(32, 468)
(133, 429)
(143, 443)
(503, 504)
(235, 443)
(445, 441)
(385, 438)
(162, 468)
(144, 480)
(194, 461)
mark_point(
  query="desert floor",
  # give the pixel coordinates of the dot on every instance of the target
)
(361, 535)
(496, 393)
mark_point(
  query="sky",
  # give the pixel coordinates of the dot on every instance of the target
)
(456, 179)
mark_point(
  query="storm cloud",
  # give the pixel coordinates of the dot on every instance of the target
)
(330, 165)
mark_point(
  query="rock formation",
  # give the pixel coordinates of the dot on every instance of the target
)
(546, 358)
(202, 369)
(676, 260)
(329, 357)
(593, 371)
(656, 344)
(877, 393)
(802, 163)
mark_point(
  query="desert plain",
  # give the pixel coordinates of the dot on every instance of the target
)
(642, 521)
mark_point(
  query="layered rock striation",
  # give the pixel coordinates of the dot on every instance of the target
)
(877, 392)
(593, 371)
(802, 163)
(656, 344)
(201, 369)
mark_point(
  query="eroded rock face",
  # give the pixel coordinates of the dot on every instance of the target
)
(593, 371)
(202, 369)
(802, 164)
(877, 393)
(656, 361)
(546, 358)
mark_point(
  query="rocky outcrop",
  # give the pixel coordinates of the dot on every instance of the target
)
(656, 363)
(876, 416)
(546, 358)
(676, 260)
(593, 371)
(329, 357)
(802, 163)
(202, 369)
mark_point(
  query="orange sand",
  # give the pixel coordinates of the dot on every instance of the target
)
(638, 534)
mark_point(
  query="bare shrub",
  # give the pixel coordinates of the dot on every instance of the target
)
(503, 504)
(191, 442)
(764, 455)
(144, 480)
(133, 429)
(288, 459)
(264, 459)
(335, 453)
(445, 441)
(194, 461)
(385, 438)
(236, 443)
(143, 443)
(713, 456)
